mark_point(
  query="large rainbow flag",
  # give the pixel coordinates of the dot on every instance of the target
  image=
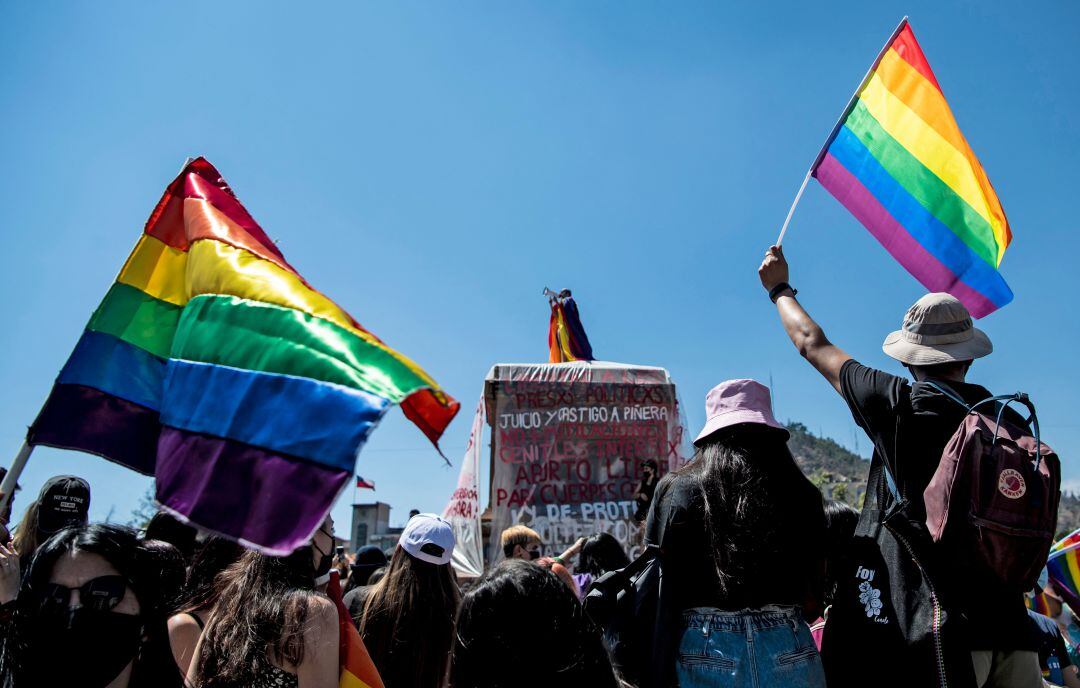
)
(212, 365)
(898, 162)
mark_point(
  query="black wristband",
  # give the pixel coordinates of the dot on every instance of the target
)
(779, 289)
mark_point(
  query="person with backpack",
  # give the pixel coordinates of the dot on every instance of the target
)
(741, 533)
(911, 611)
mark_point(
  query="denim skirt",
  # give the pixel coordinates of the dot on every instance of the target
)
(753, 648)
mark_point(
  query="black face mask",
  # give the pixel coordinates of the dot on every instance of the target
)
(83, 647)
(326, 559)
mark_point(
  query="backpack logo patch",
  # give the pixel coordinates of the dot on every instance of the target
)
(1011, 484)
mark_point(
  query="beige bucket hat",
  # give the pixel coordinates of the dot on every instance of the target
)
(937, 329)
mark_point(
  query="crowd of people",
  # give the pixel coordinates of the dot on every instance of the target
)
(764, 583)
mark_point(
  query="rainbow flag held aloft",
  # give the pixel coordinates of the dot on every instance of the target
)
(1063, 568)
(898, 161)
(567, 340)
(212, 365)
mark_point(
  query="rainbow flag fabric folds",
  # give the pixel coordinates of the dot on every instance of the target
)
(567, 340)
(899, 163)
(357, 668)
(214, 366)
(1063, 568)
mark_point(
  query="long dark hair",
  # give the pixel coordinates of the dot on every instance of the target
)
(601, 553)
(212, 556)
(841, 519)
(415, 599)
(753, 498)
(521, 627)
(138, 563)
(261, 611)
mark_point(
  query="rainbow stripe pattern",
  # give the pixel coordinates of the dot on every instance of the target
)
(899, 163)
(212, 365)
(1063, 568)
(567, 340)
(357, 668)
(1038, 603)
(1067, 541)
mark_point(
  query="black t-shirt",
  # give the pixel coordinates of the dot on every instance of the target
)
(1053, 657)
(911, 423)
(787, 572)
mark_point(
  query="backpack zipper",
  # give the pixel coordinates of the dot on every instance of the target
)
(935, 628)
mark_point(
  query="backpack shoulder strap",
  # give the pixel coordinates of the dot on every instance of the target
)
(950, 393)
(1002, 402)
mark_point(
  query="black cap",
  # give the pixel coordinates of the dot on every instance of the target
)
(64, 501)
(369, 557)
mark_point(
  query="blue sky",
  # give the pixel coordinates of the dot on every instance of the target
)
(432, 166)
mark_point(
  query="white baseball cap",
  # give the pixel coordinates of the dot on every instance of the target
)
(429, 538)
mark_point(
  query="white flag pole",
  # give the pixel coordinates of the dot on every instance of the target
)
(7, 488)
(791, 211)
(839, 123)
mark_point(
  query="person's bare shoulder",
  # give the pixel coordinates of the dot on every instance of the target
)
(322, 618)
(179, 624)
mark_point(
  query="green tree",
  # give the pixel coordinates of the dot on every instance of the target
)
(840, 492)
(145, 510)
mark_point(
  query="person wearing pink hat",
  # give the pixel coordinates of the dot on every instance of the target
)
(741, 532)
(898, 603)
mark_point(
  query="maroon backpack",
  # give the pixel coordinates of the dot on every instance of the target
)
(993, 500)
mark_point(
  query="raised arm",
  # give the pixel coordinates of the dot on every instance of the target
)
(805, 334)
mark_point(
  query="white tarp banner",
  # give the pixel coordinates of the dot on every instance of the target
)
(569, 445)
(463, 511)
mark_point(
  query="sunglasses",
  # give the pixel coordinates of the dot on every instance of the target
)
(100, 594)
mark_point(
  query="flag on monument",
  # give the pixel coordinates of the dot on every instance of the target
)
(899, 163)
(364, 484)
(212, 365)
(567, 340)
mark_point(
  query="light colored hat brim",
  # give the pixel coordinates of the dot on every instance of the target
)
(925, 354)
(738, 417)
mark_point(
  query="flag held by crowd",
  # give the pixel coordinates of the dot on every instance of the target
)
(1063, 570)
(899, 163)
(214, 366)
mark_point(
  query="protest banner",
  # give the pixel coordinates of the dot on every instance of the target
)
(568, 444)
(463, 510)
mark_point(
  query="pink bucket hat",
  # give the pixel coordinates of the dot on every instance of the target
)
(735, 402)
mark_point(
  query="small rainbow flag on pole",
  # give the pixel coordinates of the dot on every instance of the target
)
(1067, 541)
(897, 160)
(212, 365)
(1063, 568)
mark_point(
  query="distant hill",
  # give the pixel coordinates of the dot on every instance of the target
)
(841, 474)
(838, 472)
